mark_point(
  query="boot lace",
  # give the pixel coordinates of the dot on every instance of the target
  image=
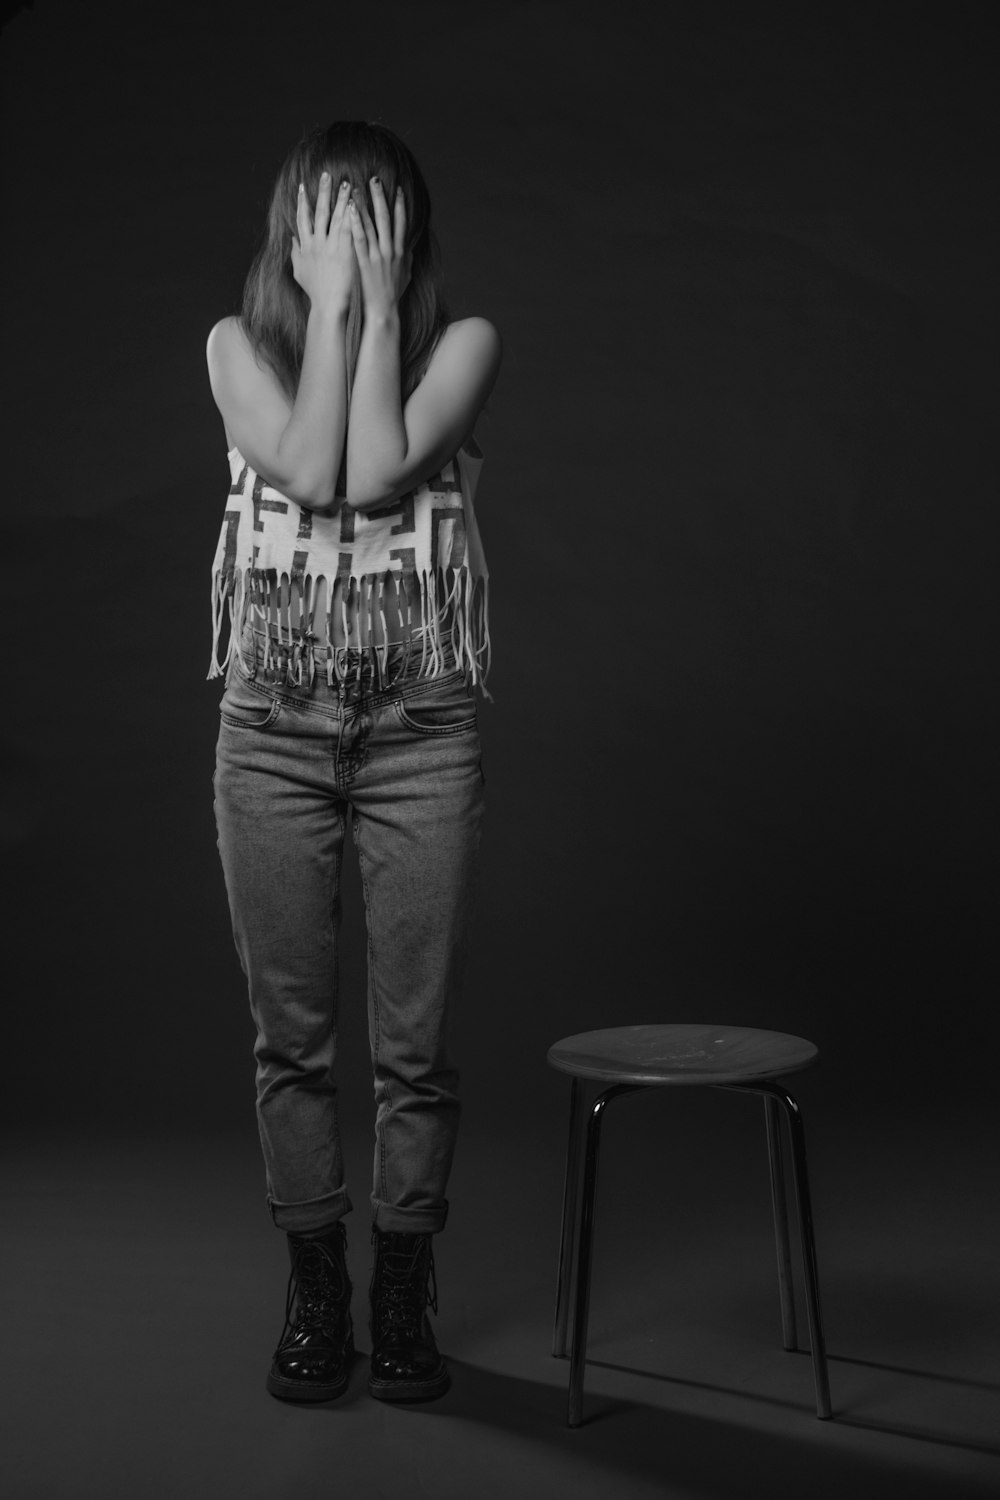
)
(405, 1288)
(321, 1285)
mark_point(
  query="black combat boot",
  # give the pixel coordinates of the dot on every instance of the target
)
(406, 1365)
(313, 1359)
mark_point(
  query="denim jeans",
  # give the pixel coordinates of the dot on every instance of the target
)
(402, 752)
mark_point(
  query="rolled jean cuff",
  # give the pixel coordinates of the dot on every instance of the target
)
(408, 1220)
(310, 1213)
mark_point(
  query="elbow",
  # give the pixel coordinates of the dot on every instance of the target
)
(365, 499)
(370, 485)
(321, 495)
(375, 474)
(320, 502)
(365, 492)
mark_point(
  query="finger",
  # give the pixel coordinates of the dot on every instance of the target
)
(321, 222)
(381, 207)
(302, 214)
(343, 197)
(371, 234)
(358, 231)
(399, 224)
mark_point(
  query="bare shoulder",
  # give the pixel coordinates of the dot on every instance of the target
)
(254, 408)
(474, 334)
(469, 348)
(234, 362)
(225, 339)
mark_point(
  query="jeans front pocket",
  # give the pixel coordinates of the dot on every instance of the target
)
(244, 706)
(439, 706)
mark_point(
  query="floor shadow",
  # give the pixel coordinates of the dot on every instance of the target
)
(874, 1364)
(844, 1418)
(704, 1455)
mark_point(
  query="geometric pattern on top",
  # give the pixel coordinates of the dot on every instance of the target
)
(414, 542)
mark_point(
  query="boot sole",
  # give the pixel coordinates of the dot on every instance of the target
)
(410, 1390)
(310, 1390)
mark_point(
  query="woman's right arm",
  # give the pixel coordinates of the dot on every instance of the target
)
(296, 447)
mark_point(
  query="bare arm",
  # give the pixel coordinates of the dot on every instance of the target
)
(391, 450)
(376, 438)
(312, 444)
(297, 447)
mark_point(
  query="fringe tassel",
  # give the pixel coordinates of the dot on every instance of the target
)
(383, 660)
(328, 627)
(219, 593)
(310, 588)
(423, 627)
(247, 591)
(487, 647)
(281, 611)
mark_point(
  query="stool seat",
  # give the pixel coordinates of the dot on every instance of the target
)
(681, 1054)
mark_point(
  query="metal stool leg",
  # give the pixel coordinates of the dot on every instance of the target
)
(567, 1231)
(578, 1346)
(779, 1205)
(797, 1136)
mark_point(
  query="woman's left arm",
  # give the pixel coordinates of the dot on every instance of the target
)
(390, 450)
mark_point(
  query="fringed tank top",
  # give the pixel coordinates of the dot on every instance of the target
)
(268, 540)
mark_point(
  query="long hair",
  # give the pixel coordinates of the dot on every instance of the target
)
(275, 309)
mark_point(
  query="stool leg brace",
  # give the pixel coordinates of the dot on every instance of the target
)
(577, 1230)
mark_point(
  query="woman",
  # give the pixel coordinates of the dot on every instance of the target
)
(357, 590)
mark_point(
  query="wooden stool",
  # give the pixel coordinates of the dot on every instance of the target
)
(634, 1057)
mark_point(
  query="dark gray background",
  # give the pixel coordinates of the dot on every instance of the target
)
(739, 506)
